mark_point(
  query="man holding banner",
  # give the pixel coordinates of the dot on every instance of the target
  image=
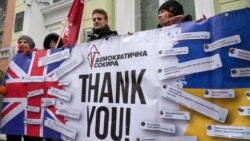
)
(101, 28)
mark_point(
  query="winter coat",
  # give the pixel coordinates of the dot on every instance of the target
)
(101, 34)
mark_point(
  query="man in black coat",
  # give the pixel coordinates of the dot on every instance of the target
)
(101, 28)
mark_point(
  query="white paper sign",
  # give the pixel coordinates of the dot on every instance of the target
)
(59, 93)
(33, 109)
(33, 121)
(48, 102)
(33, 79)
(240, 72)
(65, 138)
(244, 110)
(180, 115)
(67, 67)
(61, 128)
(179, 138)
(219, 93)
(239, 53)
(195, 103)
(53, 58)
(234, 132)
(72, 113)
(63, 82)
(173, 51)
(232, 40)
(192, 36)
(148, 125)
(35, 93)
(190, 67)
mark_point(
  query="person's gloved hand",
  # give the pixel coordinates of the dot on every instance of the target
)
(201, 19)
(2, 90)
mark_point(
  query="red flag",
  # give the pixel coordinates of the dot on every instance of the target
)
(72, 28)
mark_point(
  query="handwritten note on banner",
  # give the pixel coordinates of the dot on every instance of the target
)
(170, 83)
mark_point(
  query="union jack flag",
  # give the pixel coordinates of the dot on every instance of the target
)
(15, 102)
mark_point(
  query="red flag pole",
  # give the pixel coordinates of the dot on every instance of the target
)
(64, 26)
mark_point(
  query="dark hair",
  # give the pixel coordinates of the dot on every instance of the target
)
(54, 37)
(101, 11)
(172, 6)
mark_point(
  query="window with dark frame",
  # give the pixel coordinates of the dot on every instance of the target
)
(19, 22)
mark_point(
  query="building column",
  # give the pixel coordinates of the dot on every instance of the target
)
(205, 7)
(34, 22)
(125, 16)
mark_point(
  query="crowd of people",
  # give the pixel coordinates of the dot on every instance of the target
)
(169, 13)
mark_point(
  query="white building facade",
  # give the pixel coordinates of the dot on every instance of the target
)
(131, 15)
(46, 16)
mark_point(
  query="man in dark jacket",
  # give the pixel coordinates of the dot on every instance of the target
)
(171, 12)
(101, 28)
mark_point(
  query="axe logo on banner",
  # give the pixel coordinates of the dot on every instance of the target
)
(97, 61)
(92, 55)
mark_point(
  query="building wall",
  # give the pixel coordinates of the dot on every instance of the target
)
(123, 15)
(9, 22)
(7, 34)
(229, 5)
(19, 8)
(126, 16)
(54, 15)
(129, 13)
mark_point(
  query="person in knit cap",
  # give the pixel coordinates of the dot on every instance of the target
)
(171, 12)
(50, 41)
(25, 44)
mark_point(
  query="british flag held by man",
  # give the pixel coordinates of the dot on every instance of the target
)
(23, 113)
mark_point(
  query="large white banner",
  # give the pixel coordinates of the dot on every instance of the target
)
(118, 91)
(185, 82)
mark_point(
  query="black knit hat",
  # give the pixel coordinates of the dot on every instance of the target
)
(28, 39)
(54, 37)
(173, 7)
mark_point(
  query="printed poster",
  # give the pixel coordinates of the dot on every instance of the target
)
(184, 82)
